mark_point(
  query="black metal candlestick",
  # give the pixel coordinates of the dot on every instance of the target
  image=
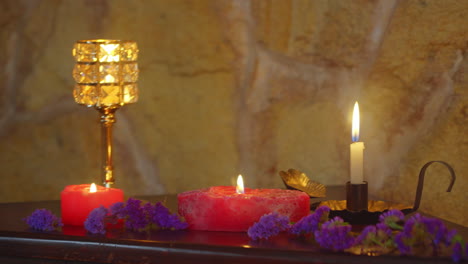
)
(357, 209)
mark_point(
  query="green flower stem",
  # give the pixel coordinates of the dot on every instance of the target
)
(377, 242)
(395, 226)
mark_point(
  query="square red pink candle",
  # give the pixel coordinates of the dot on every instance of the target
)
(225, 208)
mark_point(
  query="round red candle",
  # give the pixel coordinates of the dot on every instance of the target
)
(77, 201)
(222, 209)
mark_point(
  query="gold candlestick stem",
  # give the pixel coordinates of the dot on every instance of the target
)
(107, 121)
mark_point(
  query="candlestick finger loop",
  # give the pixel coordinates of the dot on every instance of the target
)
(422, 174)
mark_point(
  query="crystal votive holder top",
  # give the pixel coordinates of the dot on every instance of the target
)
(106, 72)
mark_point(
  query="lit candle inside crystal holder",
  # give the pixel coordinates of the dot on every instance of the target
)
(106, 72)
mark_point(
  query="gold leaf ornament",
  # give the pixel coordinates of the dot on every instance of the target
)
(297, 180)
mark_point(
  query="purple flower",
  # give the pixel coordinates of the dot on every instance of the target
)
(43, 220)
(434, 229)
(425, 235)
(136, 215)
(335, 235)
(392, 218)
(95, 223)
(457, 254)
(117, 210)
(400, 241)
(437, 230)
(411, 236)
(162, 217)
(378, 235)
(466, 250)
(393, 215)
(453, 235)
(309, 224)
(268, 225)
(368, 233)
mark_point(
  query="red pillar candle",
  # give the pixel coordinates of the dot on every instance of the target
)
(77, 201)
(221, 208)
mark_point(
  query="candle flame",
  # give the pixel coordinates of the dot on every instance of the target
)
(92, 188)
(355, 127)
(240, 184)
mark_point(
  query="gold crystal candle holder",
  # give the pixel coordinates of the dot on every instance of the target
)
(106, 72)
(106, 75)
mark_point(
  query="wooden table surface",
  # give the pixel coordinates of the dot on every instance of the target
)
(18, 244)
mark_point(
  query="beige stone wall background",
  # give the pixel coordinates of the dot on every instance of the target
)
(251, 87)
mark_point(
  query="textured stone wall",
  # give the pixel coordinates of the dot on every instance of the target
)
(251, 87)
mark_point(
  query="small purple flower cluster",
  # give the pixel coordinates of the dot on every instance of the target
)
(118, 210)
(43, 220)
(378, 235)
(381, 235)
(418, 235)
(335, 234)
(162, 217)
(269, 225)
(460, 250)
(393, 219)
(137, 217)
(309, 224)
(430, 236)
(95, 222)
(273, 223)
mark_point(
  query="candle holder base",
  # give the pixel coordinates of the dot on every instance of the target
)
(356, 196)
(368, 216)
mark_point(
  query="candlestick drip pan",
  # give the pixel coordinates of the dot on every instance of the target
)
(364, 217)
